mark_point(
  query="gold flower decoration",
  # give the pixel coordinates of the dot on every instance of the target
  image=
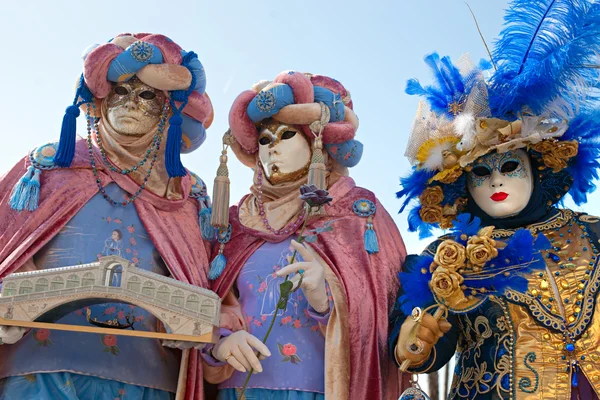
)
(450, 255)
(480, 250)
(556, 154)
(431, 196)
(445, 284)
(431, 214)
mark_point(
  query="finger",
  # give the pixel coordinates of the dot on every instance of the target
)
(251, 357)
(293, 268)
(258, 345)
(168, 343)
(237, 353)
(236, 364)
(304, 252)
(261, 356)
(2, 329)
(445, 326)
(426, 335)
(429, 322)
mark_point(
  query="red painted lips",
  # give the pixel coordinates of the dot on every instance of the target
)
(499, 196)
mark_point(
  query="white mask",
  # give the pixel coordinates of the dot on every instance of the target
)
(501, 183)
(134, 108)
(284, 153)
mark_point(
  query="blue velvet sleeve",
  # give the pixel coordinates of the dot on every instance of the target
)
(444, 349)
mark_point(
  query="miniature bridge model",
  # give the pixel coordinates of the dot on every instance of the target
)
(188, 312)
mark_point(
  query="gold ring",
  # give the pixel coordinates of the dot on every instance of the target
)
(417, 314)
(415, 347)
(229, 356)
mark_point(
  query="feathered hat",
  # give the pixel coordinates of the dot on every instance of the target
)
(540, 96)
(319, 105)
(160, 63)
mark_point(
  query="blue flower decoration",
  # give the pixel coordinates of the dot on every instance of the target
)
(141, 51)
(265, 101)
(364, 208)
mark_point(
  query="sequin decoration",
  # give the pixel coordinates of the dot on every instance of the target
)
(141, 51)
(364, 208)
(43, 156)
(265, 101)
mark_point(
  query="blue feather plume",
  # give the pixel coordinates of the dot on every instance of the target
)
(416, 224)
(542, 53)
(413, 185)
(584, 167)
(464, 224)
(449, 85)
(509, 269)
(415, 284)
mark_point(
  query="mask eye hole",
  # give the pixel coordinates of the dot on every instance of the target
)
(509, 166)
(288, 135)
(264, 141)
(121, 91)
(481, 171)
(147, 95)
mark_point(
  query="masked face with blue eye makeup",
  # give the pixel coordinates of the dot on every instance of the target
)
(501, 183)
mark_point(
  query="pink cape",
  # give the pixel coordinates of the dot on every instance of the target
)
(369, 283)
(172, 226)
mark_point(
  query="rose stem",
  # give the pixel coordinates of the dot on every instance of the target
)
(308, 209)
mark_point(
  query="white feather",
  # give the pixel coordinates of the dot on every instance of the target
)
(464, 126)
(435, 160)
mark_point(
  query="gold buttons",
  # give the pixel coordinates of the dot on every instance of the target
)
(579, 296)
(534, 292)
(571, 318)
(589, 367)
(552, 360)
(564, 284)
(544, 284)
(596, 378)
(546, 336)
(577, 309)
(563, 378)
(595, 357)
(581, 286)
(559, 346)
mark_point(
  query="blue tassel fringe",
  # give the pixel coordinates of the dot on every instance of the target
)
(217, 266)
(172, 154)
(66, 146)
(371, 243)
(208, 231)
(26, 193)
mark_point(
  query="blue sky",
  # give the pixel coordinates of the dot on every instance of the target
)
(371, 47)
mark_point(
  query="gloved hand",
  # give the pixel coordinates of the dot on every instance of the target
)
(238, 350)
(11, 334)
(182, 345)
(428, 333)
(313, 281)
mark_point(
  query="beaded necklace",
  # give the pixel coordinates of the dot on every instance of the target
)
(290, 227)
(155, 145)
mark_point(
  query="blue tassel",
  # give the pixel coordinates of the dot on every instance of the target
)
(16, 196)
(217, 266)
(66, 145)
(30, 196)
(574, 379)
(208, 231)
(371, 243)
(172, 153)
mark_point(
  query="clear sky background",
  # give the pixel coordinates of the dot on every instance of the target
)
(372, 47)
